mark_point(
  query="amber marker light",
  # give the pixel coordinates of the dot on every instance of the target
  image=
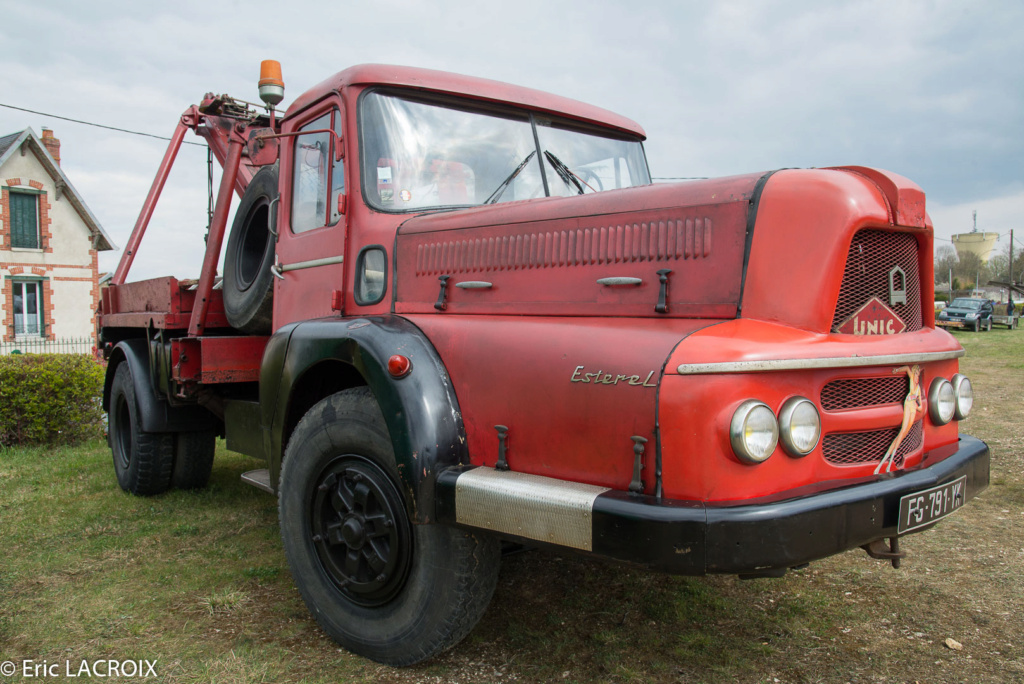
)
(399, 366)
(271, 84)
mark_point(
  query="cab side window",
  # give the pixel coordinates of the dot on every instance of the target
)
(313, 172)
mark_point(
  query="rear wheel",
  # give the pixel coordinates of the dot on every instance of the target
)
(381, 587)
(193, 459)
(142, 460)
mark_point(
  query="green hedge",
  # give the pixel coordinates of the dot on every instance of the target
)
(50, 399)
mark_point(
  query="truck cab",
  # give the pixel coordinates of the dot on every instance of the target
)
(456, 312)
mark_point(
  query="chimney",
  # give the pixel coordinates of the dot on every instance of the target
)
(51, 144)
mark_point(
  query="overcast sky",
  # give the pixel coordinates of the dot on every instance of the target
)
(931, 90)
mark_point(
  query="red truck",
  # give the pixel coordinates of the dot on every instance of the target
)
(456, 313)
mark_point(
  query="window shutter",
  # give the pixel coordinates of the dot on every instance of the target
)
(24, 228)
(40, 324)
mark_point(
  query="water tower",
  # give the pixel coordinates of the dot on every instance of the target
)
(981, 244)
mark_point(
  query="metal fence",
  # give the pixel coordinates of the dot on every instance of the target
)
(64, 345)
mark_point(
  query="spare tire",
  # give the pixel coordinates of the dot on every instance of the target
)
(248, 283)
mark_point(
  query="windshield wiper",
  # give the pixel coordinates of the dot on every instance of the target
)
(496, 195)
(566, 174)
(563, 171)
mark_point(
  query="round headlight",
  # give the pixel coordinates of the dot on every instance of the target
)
(799, 426)
(754, 432)
(964, 393)
(941, 401)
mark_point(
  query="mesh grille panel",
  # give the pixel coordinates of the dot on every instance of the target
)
(873, 253)
(850, 393)
(856, 448)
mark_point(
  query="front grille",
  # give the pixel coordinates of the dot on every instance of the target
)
(851, 393)
(857, 448)
(872, 255)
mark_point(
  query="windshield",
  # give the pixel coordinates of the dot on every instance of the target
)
(420, 155)
(972, 304)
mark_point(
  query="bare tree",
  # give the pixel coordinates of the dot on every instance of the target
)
(945, 261)
(999, 265)
(970, 269)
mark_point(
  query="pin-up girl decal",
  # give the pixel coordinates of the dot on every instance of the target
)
(912, 405)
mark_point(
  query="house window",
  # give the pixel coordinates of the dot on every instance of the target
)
(28, 308)
(24, 220)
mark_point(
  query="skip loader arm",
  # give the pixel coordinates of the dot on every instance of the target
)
(228, 126)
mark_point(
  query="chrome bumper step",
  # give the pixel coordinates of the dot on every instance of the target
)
(528, 506)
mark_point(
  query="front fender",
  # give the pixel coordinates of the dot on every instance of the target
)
(420, 409)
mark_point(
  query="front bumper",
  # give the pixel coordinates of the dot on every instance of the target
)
(694, 538)
(955, 323)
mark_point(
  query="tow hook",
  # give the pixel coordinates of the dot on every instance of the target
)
(878, 549)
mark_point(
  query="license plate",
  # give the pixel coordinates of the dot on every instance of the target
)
(923, 508)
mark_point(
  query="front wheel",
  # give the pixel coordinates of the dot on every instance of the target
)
(380, 586)
(977, 326)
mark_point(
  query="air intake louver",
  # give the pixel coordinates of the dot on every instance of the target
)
(856, 448)
(873, 254)
(853, 393)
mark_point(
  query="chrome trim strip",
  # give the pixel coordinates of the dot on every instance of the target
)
(530, 506)
(312, 263)
(618, 280)
(474, 285)
(805, 364)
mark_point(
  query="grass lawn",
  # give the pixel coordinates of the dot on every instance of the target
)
(198, 582)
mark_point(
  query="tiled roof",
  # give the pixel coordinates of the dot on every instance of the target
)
(8, 140)
(28, 137)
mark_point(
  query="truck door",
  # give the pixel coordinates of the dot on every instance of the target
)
(311, 233)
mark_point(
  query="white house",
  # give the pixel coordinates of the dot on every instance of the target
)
(49, 242)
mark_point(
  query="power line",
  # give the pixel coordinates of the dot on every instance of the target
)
(89, 123)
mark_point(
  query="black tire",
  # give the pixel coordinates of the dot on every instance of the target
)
(193, 459)
(432, 582)
(977, 325)
(248, 283)
(142, 460)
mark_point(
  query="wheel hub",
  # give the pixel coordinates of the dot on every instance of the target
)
(352, 532)
(359, 530)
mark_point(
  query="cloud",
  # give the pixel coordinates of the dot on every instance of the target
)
(995, 215)
(928, 90)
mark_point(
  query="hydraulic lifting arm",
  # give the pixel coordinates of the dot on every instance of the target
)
(227, 125)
